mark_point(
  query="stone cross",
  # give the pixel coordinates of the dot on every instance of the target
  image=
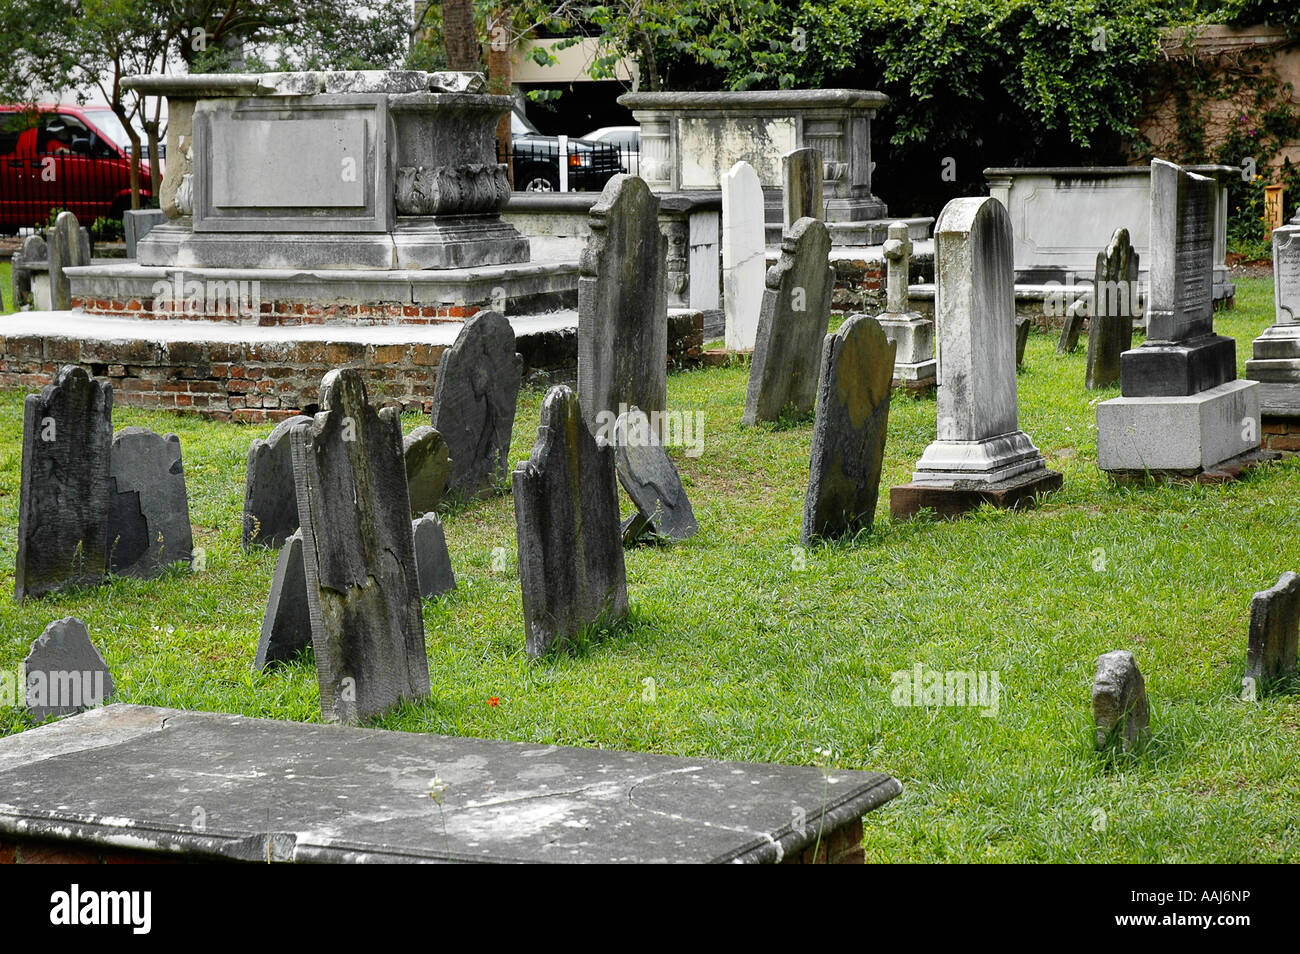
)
(270, 500)
(1274, 629)
(898, 255)
(1119, 700)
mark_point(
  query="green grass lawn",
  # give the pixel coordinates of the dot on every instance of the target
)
(6, 267)
(753, 658)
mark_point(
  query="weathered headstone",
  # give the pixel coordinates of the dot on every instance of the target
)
(64, 494)
(286, 626)
(1119, 700)
(795, 314)
(743, 262)
(149, 513)
(64, 672)
(270, 500)
(1114, 307)
(1072, 327)
(848, 445)
(67, 248)
(1023, 326)
(647, 474)
(980, 455)
(911, 333)
(1275, 355)
(1274, 631)
(622, 304)
(34, 253)
(474, 402)
(571, 566)
(362, 585)
(432, 561)
(428, 467)
(802, 176)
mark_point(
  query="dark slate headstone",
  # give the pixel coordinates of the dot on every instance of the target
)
(64, 672)
(63, 499)
(1073, 326)
(647, 474)
(149, 512)
(1274, 625)
(623, 305)
(270, 500)
(474, 402)
(1114, 306)
(848, 445)
(802, 175)
(1119, 700)
(362, 585)
(428, 467)
(1023, 325)
(796, 311)
(286, 627)
(566, 514)
(432, 561)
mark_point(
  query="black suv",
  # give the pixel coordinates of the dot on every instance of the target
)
(536, 160)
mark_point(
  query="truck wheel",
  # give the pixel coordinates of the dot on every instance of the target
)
(540, 179)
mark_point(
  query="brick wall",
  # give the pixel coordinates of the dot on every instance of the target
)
(272, 313)
(1281, 434)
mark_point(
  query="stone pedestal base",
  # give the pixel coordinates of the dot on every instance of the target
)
(1178, 435)
(1276, 366)
(913, 338)
(953, 500)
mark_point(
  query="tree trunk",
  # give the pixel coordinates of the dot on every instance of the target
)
(459, 35)
(134, 138)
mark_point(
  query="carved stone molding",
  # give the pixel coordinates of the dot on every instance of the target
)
(459, 190)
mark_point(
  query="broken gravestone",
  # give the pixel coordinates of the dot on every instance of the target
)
(286, 626)
(270, 501)
(796, 311)
(432, 561)
(64, 672)
(362, 585)
(63, 498)
(1075, 312)
(428, 467)
(647, 474)
(1023, 325)
(474, 402)
(848, 445)
(571, 566)
(149, 511)
(1119, 700)
(1274, 625)
(1114, 306)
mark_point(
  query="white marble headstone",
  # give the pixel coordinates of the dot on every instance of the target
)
(743, 265)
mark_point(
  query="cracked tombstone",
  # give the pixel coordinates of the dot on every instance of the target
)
(428, 467)
(63, 499)
(571, 568)
(270, 500)
(149, 512)
(1274, 624)
(432, 561)
(1115, 305)
(363, 589)
(474, 403)
(64, 672)
(651, 480)
(286, 625)
(1119, 700)
(848, 445)
(796, 312)
(802, 175)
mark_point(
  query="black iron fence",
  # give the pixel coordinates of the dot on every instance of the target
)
(547, 164)
(36, 186)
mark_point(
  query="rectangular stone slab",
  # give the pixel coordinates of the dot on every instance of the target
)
(129, 777)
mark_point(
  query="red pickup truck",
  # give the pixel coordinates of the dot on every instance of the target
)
(64, 157)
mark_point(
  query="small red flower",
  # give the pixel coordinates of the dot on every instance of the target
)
(493, 701)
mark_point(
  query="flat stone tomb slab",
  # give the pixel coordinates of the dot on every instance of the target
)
(128, 777)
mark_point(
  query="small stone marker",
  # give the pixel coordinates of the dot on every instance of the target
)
(1023, 325)
(802, 175)
(64, 493)
(796, 311)
(64, 672)
(362, 584)
(1115, 306)
(623, 304)
(1119, 700)
(571, 565)
(474, 402)
(149, 514)
(270, 500)
(743, 263)
(1075, 312)
(67, 249)
(286, 627)
(647, 474)
(1274, 624)
(428, 467)
(432, 561)
(911, 333)
(848, 445)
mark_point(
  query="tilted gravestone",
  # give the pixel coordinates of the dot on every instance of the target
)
(1023, 326)
(67, 248)
(911, 332)
(622, 304)
(64, 672)
(571, 566)
(63, 499)
(796, 312)
(647, 474)
(1274, 628)
(270, 500)
(1075, 312)
(149, 512)
(362, 584)
(286, 625)
(802, 176)
(1119, 700)
(848, 445)
(1114, 306)
(743, 263)
(428, 467)
(432, 561)
(474, 402)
